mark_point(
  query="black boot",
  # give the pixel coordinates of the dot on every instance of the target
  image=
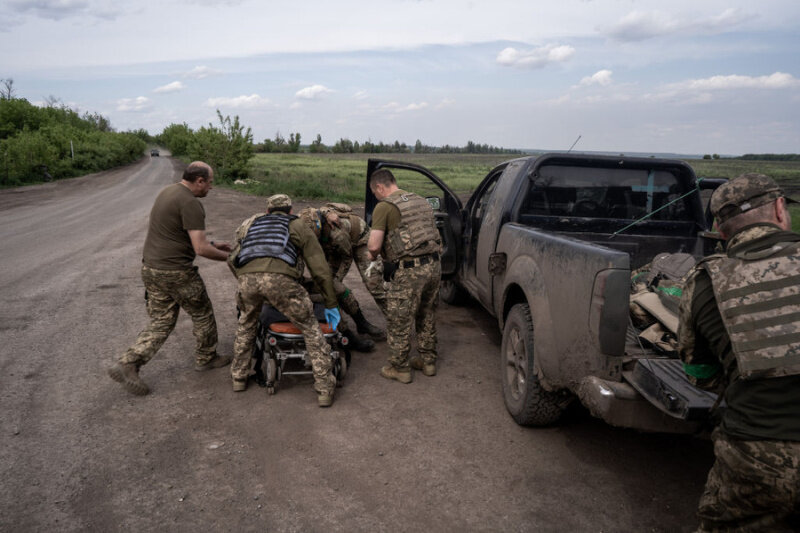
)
(363, 326)
(359, 344)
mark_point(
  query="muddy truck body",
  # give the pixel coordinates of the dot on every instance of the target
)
(546, 244)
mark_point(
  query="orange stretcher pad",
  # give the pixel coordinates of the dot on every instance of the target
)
(289, 328)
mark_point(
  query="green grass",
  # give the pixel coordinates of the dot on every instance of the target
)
(342, 177)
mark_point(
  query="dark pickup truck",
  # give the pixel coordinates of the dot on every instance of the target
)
(546, 245)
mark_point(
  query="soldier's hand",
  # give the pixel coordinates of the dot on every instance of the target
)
(332, 317)
(224, 246)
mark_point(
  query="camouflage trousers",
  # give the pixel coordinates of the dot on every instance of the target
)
(373, 279)
(411, 299)
(753, 486)
(290, 298)
(167, 291)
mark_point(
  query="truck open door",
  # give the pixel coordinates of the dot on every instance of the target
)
(446, 206)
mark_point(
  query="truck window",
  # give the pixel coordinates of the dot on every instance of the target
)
(564, 191)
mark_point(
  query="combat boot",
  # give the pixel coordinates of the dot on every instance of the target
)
(390, 372)
(364, 326)
(239, 385)
(128, 375)
(217, 361)
(359, 344)
(429, 369)
(325, 399)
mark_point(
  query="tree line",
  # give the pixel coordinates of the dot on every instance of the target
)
(279, 144)
(227, 146)
(37, 143)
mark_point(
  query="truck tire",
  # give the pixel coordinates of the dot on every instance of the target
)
(527, 402)
(451, 292)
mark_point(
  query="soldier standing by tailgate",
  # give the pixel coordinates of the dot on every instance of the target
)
(739, 334)
(266, 260)
(404, 233)
(176, 233)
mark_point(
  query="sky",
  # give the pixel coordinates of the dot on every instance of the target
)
(683, 76)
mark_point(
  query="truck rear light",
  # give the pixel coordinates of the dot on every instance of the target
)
(608, 312)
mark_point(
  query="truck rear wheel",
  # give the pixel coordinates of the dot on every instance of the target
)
(526, 400)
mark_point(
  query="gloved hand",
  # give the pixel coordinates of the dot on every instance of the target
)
(333, 317)
(370, 268)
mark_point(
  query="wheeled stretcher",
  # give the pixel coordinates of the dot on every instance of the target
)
(280, 349)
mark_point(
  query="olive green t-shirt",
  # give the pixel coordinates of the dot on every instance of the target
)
(386, 216)
(175, 212)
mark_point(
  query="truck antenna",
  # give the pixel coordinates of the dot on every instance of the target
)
(573, 144)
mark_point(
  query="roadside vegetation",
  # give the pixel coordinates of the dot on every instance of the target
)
(41, 143)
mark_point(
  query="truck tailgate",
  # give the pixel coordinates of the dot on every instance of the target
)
(664, 384)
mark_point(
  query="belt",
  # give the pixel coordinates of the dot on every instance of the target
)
(418, 261)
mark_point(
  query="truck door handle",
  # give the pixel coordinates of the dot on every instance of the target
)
(497, 264)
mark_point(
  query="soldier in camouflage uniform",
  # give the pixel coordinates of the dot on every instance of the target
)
(344, 236)
(739, 334)
(268, 260)
(176, 233)
(404, 233)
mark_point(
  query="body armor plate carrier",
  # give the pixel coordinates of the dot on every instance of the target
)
(416, 234)
(268, 236)
(758, 294)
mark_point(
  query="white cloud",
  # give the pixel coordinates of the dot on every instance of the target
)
(446, 102)
(394, 106)
(200, 72)
(601, 77)
(140, 103)
(249, 102)
(536, 57)
(313, 92)
(777, 80)
(361, 95)
(704, 90)
(62, 9)
(295, 105)
(170, 87)
(643, 25)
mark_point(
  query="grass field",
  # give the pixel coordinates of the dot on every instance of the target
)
(342, 177)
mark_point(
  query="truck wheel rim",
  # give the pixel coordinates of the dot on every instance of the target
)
(516, 367)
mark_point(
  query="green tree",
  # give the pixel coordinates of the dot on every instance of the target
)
(316, 145)
(177, 138)
(227, 148)
(294, 142)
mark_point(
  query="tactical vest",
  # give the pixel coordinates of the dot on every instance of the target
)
(416, 234)
(758, 294)
(268, 236)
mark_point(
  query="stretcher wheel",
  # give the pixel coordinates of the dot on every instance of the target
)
(270, 390)
(340, 370)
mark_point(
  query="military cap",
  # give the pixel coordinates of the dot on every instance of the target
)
(278, 200)
(743, 193)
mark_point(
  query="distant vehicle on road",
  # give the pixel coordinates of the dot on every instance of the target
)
(154, 153)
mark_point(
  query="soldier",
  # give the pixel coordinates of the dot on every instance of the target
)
(404, 233)
(176, 233)
(344, 238)
(739, 334)
(267, 260)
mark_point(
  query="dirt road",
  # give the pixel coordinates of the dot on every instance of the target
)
(78, 453)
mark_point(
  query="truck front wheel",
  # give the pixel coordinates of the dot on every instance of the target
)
(526, 400)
